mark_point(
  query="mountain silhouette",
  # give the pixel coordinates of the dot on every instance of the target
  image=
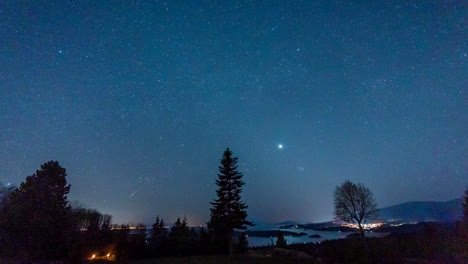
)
(449, 211)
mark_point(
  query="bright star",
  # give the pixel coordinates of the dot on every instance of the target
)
(280, 146)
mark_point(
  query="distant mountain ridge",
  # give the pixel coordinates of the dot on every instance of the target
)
(449, 211)
(415, 211)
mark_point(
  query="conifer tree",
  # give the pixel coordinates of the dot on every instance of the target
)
(39, 213)
(228, 211)
(178, 238)
(158, 237)
(281, 241)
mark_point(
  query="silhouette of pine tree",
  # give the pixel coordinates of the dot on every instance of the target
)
(38, 214)
(281, 242)
(228, 211)
(158, 239)
(179, 237)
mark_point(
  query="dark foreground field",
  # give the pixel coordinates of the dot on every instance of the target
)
(192, 260)
(433, 244)
(223, 260)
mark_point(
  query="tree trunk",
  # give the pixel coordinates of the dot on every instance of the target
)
(231, 246)
(363, 238)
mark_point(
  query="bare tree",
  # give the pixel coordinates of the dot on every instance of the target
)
(355, 203)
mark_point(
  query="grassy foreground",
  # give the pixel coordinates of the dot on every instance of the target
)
(222, 260)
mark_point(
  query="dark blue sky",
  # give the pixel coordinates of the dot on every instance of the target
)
(138, 99)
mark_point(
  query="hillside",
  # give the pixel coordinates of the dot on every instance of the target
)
(449, 211)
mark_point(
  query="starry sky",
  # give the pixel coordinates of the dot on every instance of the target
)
(138, 100)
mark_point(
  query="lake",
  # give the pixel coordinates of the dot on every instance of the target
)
(325, 235)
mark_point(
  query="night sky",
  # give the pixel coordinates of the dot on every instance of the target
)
(138, 100)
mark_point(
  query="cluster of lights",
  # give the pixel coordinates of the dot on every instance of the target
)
(365, 226)
(129, 228)
(94, 256)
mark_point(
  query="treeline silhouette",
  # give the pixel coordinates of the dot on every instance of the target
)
(435, 243)
(38, 223)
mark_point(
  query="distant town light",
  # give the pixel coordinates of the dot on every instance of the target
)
(364, 226)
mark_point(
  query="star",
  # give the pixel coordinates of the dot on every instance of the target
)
(280, 146)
